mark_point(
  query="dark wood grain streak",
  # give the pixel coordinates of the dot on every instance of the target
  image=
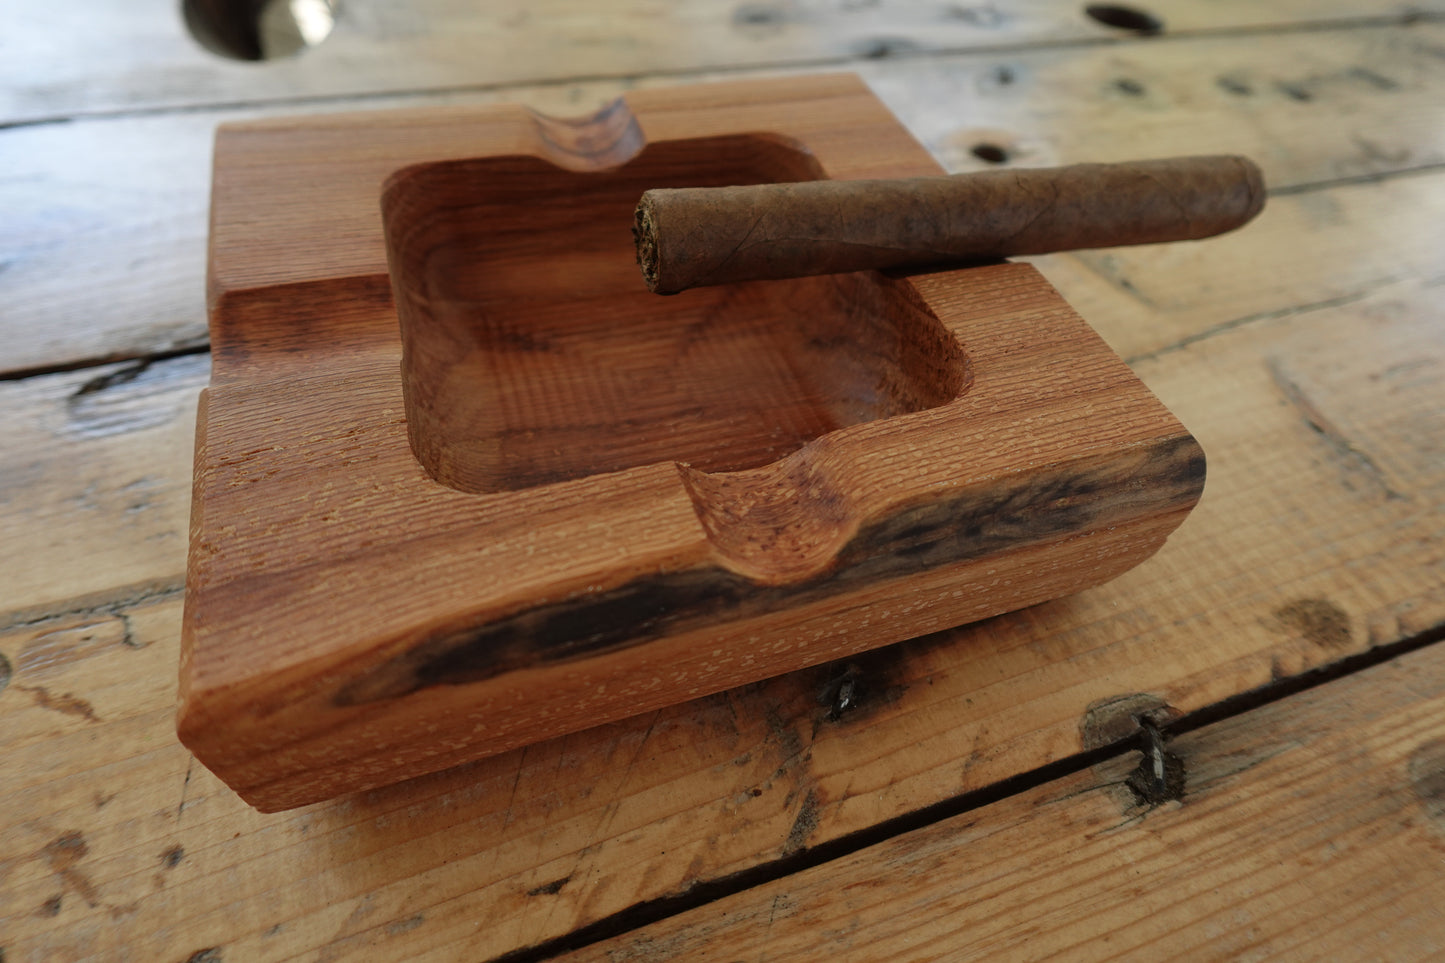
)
(970, 525)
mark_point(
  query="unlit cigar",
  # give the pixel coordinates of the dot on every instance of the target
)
(691, 237)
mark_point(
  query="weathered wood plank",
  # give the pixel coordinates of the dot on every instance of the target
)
(129, 58)
(1311, 828)
(1324, 439)
(1311, 251)
(128, 197)
(95, 483)
(103, 243)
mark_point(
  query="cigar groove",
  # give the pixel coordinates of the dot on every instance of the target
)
(693, 237)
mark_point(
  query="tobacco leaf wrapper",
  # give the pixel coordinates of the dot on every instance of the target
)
(692, 237)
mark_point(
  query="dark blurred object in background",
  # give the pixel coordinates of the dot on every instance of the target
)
(259, 29)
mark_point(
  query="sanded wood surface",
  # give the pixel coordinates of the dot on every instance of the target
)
(1307, 360)
(1313, 828)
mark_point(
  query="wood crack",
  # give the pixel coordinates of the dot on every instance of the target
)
(1274, 314)
(113, 604)
(135, 364)
(1348, 452)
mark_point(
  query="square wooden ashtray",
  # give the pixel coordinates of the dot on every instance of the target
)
(548, 499)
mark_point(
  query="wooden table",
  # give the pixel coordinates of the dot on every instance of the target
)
(992, 794)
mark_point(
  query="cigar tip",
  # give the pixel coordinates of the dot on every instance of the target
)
(644, 236)
(1254, 178)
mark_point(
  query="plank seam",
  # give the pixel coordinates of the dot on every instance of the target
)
(141, 359)
(642, 915)
(115, 603)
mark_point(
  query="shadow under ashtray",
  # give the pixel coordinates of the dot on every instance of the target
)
(534, 354)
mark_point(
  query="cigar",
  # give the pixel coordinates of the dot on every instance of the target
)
(691, 237)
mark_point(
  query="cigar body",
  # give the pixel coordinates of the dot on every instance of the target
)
(691, 237)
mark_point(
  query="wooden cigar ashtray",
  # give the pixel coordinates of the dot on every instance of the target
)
(569, 500)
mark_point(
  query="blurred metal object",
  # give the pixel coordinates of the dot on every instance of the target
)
(259, 29)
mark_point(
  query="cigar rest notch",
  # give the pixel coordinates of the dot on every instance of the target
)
(462, 484)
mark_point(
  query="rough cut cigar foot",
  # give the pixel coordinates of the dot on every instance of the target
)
(644, 235)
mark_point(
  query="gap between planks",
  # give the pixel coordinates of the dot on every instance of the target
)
(134, 363)
(642, 915)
